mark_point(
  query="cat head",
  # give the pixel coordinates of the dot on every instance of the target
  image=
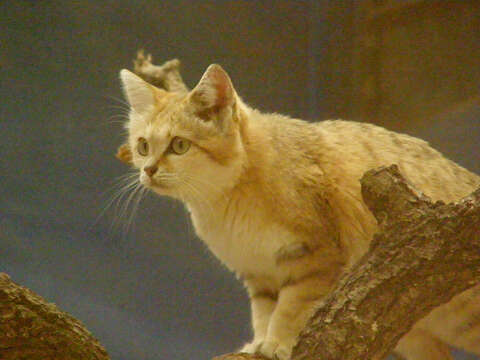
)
(184, 145)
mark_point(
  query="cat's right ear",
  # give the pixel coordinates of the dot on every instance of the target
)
(124, 154)
(140, 94)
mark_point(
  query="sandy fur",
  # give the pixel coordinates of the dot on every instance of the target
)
(278, 200)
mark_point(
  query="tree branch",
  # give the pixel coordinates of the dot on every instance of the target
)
(425, 254)
(166, 76)
(31, 328)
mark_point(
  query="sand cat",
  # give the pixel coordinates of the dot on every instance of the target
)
(278, 201)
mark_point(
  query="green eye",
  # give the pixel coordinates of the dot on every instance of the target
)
(142, 146)
(180, 146)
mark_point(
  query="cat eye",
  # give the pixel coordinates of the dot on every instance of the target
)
(142, 146)
(179, 145)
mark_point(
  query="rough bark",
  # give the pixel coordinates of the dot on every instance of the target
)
(31, 328)
(425, 254)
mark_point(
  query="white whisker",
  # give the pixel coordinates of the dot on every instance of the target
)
(122, 184)
(137, 196)
(124, 209)
(121, 208)
(117, 119)
(119, 100)
(125, 187)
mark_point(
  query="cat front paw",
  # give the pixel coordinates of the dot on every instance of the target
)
(275, 350)
(253, 347)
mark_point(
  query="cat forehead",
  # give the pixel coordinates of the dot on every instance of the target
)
(165, 100)
(159, 125)
(154, 133)
(172, 112)
(166, 110)
(175, 114)
(158, 131)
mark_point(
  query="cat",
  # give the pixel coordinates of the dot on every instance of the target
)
(278, 201)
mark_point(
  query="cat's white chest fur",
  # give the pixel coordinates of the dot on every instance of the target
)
(243, 239)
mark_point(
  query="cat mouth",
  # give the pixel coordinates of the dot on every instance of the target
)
(150, 182)
(157, 184)
(154, 183)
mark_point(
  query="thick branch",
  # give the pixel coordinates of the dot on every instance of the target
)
(425, 254)
(31, 328)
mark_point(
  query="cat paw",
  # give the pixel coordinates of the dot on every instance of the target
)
(275, 350)
(252, 348)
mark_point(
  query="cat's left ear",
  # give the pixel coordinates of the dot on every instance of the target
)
(213, 93)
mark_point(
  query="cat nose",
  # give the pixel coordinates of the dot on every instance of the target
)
(150, 170)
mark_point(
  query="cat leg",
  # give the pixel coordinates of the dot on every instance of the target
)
(421, 345)
(296, 303)
(262, 306)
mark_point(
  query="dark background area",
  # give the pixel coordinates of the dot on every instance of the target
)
(152, 290)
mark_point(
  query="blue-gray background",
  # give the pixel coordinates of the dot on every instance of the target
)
(154, 291)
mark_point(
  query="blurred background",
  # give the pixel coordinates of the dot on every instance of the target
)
(152, 290)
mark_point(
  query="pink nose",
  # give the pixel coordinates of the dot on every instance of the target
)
(150, 170)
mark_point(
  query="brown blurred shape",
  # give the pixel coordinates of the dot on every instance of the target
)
(414, 59)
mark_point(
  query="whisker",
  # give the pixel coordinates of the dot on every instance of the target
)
(136, 199)
(120, 106)
(117, 118)
(119, 191)
(118, 100)
(119, 208)
(122, 183)
(123, 107)
(124, 208)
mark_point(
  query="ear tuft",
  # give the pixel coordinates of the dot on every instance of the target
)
(139, 93)
(214, 90)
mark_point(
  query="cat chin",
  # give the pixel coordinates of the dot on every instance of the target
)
(162, 190)
(153, 185)
(159, 190)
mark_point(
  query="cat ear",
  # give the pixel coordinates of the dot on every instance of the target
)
(124, 154)
(140, 94)
(214, 92)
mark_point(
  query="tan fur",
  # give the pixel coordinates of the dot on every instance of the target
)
(278, 200)
(124, 154)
